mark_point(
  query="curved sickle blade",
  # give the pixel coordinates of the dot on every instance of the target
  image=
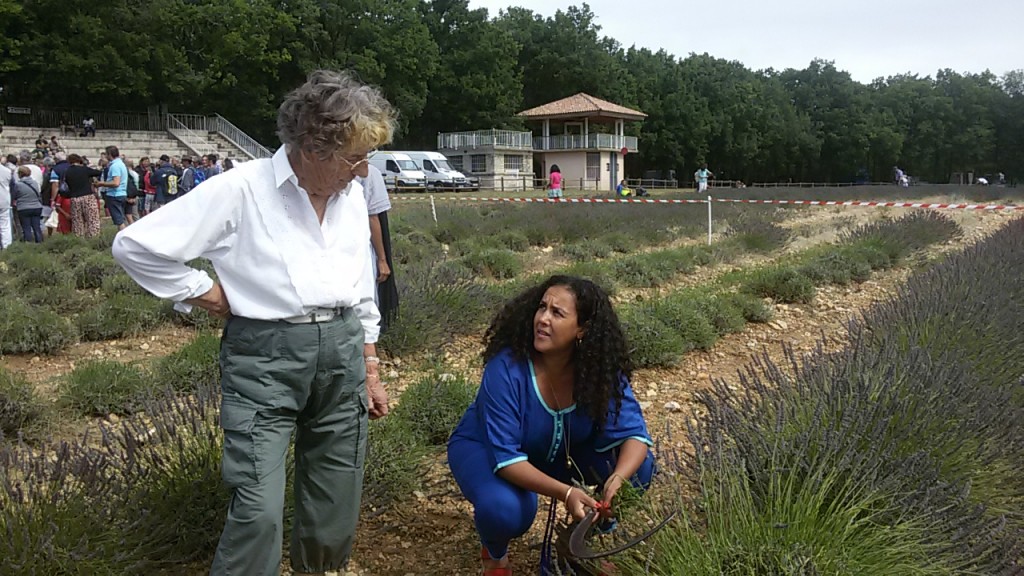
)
(578, 539)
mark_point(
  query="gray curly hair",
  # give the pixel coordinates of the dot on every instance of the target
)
(335, 111)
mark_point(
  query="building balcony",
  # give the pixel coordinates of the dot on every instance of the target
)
(506, 139)
(609, 142)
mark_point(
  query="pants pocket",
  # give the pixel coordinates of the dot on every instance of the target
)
(239, 462)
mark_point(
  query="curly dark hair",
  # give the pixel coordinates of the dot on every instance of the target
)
(599, 359)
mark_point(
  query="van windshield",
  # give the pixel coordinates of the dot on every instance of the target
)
(407, 165)
(442, 165)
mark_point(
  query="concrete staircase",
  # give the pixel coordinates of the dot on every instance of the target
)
(132, 144)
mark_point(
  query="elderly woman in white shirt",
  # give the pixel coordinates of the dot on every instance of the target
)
(290, 241)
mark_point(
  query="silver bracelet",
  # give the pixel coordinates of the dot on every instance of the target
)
(371, 360)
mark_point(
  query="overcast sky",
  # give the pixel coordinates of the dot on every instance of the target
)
(868, 38)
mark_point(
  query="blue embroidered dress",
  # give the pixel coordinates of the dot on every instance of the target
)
(510, 419)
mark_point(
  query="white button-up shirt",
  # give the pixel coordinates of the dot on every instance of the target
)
(273, 258)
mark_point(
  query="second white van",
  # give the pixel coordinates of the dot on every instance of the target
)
(439, 173)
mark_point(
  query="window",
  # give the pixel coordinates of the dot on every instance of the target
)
(392, 166)
(513, 162)
(478, 163)
(456, 163)
(593, 166)
(429, 166)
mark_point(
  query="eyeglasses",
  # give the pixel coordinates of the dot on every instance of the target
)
(354, 165)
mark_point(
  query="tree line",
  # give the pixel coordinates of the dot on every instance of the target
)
(448, 67)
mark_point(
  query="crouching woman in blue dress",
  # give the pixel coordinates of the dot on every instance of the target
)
(554, 407)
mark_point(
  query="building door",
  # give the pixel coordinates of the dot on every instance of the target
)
(614, 172)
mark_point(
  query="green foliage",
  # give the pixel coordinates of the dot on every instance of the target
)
(758, 232)
(585, 250)
(27, 329)
(21, 408)
(433, 406)
(497, 263)
(652, 342)
(101, 387)
(513, 240)
(120, 284)
(687, 319)
(394, 462)
(120, 316)
(194, 365)
(38, 272)
(473, 72)
(654, 269)
(896, 454)
(781, 283)
(438, 302)
(94, 269)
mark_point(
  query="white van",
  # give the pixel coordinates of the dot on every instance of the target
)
(438, 171)
(400, 171)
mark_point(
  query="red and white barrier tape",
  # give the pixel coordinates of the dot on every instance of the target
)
(556, 200)
(876, 204)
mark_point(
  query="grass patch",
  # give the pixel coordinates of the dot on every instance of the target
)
(780, 283)
(195, 365)
(102, 387)
(585, 250)
(434, 405)
(496, 263)
(25, 329)
(21, 408)
(438, 303)
(120, 316)
(92, 270)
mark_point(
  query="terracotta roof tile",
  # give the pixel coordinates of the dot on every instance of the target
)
(581, 104)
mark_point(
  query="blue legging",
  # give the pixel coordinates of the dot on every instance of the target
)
(504, 511)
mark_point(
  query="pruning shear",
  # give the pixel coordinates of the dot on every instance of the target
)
(578, 538)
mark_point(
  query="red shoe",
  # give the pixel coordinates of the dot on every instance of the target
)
(485, 555)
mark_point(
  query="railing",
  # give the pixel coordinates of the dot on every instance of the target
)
(196, 122)
(480, 138)
(240, 139)
(197, 143)
(589, 142)
(503, 183)
(71, 118)
(220, 125)
(651, 183)
(819, 184)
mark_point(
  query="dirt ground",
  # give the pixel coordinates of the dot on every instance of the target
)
(432, 533)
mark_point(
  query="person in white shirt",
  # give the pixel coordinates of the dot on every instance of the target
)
(289, 238)
(6, 229)
(377, 205)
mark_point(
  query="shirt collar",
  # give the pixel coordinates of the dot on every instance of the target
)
(283, 171)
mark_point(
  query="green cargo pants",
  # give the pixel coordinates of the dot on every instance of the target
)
(279, 378)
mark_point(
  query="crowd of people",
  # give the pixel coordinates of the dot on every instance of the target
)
(49, 190)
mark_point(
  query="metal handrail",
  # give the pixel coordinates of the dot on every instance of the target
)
(198, 144)
(240, 139)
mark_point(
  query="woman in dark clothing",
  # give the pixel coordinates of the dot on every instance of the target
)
(29, 203)
(85, 215)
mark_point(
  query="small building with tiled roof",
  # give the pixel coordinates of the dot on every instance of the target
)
(583, 135)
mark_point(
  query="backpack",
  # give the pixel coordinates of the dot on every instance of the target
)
(133, 189)
(172, 184)
(198, 176)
